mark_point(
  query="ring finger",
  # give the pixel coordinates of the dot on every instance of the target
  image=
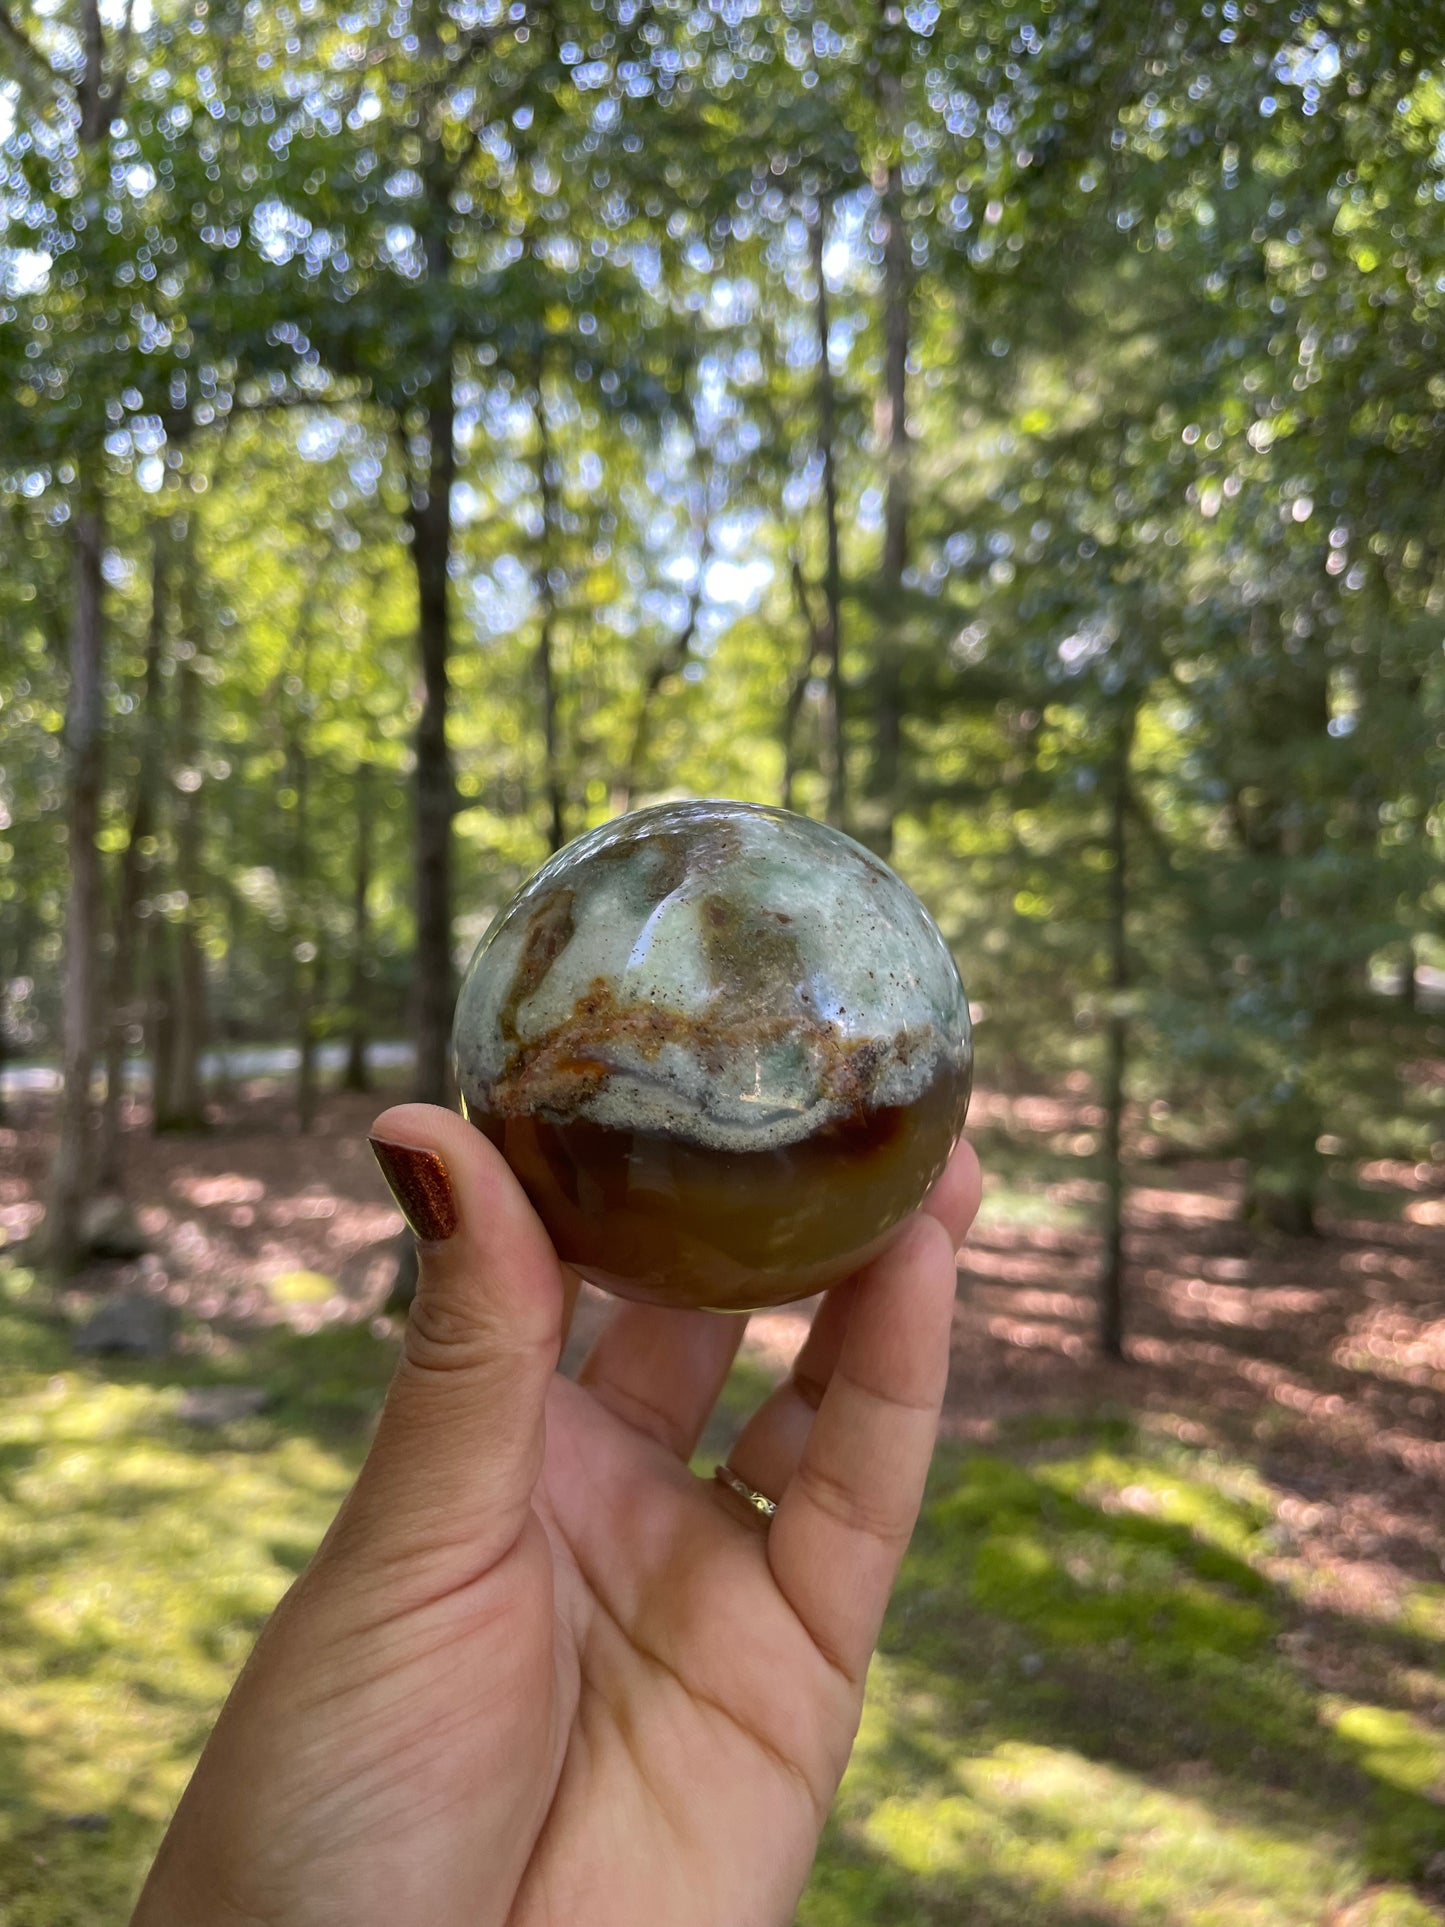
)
(771, 1443)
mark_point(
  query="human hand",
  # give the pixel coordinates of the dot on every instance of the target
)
(538, 1672)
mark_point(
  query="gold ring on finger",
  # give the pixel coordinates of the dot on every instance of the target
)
(759, 1501)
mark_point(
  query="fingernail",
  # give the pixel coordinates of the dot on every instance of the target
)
(421, 1187)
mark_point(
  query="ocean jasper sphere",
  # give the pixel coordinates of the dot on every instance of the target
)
(724, 1049)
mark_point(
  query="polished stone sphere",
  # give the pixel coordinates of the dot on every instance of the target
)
(724, 1048)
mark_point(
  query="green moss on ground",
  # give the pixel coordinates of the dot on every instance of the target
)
(139, 1555)
(1081, 1712)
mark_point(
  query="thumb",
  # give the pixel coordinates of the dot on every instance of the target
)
(447, 1485)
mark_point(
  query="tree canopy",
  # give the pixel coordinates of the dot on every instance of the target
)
(1016, 432)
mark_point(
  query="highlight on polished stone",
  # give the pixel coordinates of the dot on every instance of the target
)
(724, 1048)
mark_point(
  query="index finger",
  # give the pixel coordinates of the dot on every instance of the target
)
(845, 1519)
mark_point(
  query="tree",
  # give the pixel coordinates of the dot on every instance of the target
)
(89, 96)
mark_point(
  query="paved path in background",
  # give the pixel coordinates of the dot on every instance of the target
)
(242, 1060)
(281, 1060)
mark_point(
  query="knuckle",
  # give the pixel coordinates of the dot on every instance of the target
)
(929, 1242)
(847, 1505)
(442, 1334)
(809, 1387)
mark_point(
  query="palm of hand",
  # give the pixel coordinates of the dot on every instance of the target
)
(541, 1673)
(699, 1715)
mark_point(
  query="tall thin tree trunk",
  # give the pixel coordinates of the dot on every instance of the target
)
(547, 600)
(892, 424)
(1282, 831)
(306, 1068)
(1116, 1062)
(671, 662)
(357, 1076)
(436, 791)
(73, 1171)
(431, 525)
(72, 1175)
(1409, 989)
(832, 640)
(798, 684)
(94, 96)
(303, 942)
(160, 1019)
(181, 1101)
(124, 1011)
(224, 1008)
(792, 711)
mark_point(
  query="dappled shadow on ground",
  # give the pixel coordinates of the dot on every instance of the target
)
(1090, 1706)
(1322, 1359)
(70, 1865)
(1169, 1628)
(139, 1557)
(249, 1222)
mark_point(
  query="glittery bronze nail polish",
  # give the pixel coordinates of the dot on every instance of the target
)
(421, 1187)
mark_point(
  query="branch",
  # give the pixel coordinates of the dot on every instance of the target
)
(802, 597)
(669, 663)
(29, 57)
(120, 76)
(498, 107)
(798, 684)
(90, 92)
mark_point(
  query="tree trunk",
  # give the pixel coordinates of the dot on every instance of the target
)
(893, 435)
(1285, 1168)
(180, 1103)
(223, 1089)
(430, 517)
(892, 430)
(670, 663)
(893, 414)
(126, 1013)
(832, 639)
(1289, 715)
(72, 1175)
(92, 96)
(73, 1172)
(303, 933)
(1116, 1063)
(798, 684)
(357, 1076)
(547, 601)
(431, 526)
(307, 1086)
(160, 1016)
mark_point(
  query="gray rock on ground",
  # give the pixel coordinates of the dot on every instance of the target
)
(109, 1229)
(212, 1406)
(132, 1324)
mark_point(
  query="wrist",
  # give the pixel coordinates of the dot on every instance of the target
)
(174, 1896)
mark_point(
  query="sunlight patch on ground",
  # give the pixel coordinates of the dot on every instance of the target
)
(1077, 1834)
(1090, 1704)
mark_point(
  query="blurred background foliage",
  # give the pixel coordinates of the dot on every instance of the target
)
(1014, 431)
(1017, 435)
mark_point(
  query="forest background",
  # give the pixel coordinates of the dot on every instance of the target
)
(1014, 433)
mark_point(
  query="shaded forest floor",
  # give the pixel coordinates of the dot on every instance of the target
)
(1169, 1647)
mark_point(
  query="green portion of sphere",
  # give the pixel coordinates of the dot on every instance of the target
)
(725, 1048)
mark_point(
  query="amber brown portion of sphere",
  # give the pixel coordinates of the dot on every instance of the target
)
(654, 1217)
(725, 1049)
